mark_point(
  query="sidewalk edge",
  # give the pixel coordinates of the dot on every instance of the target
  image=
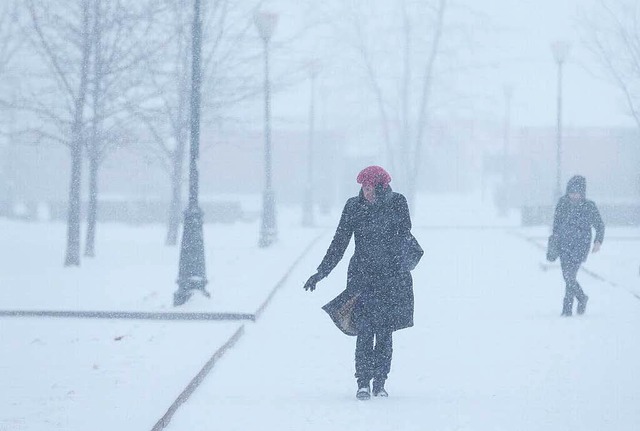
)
(197, 380)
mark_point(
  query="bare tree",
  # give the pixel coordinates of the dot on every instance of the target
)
(11, 41)
(93, 52)
(612, 33)
(62, 38)
(403, 97)
(124, 35)
(166, 118)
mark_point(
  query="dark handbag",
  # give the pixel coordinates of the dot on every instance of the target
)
(552, 248)
(410, 253)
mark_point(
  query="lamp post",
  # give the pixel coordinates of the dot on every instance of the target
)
(191, 273)
(307, 207)
(560, 52)
(266, 24)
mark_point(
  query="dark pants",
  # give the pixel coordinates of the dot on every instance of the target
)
(373, 361)
(573, 290)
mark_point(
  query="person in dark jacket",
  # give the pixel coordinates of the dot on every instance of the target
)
(378, 218)
(575, 216)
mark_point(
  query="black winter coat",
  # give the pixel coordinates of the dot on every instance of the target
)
(386, 299)
(572, 226)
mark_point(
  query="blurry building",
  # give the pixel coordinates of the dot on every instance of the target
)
(134, 181)
(231, 169)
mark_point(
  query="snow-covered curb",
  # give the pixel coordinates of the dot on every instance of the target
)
(195, 382)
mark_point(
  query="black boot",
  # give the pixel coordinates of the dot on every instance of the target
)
(582, 304)
(364, 393)
(378, 389)
(567, 307)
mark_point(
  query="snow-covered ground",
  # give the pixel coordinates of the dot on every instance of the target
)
(134, 271)
(488, 352)
(99, 375)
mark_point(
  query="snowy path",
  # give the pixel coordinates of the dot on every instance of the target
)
(488, 352)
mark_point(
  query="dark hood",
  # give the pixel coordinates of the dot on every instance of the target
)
(577, 184)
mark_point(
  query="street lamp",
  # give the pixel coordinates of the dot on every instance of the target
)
(191, 273)
(307, 208)
(266, 24)
(560, 52)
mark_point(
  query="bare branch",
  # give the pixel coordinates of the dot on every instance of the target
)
(427, 84)
(48, 50)
(374, 83)
(613, 36)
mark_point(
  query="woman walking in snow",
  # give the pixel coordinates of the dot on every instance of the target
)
(379, 284)
(575, 216)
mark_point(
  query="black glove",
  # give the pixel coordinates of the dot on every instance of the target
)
(312, 281)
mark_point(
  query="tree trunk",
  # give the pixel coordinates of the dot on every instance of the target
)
(180, 132)
(176, 201)
(427, 83)
(177, 180)
(95, 143)
(92, 208)
(72, 257)
(73, 217)
(404, 145)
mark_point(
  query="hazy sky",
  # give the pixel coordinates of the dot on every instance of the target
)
(509, 44)
(530, 28)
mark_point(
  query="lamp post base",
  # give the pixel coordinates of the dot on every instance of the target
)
(186, 289)
(191, 275)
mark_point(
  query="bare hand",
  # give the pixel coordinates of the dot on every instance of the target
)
(596, 247)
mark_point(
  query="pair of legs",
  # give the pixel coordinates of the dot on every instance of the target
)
(573, 290)
(373, 357)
